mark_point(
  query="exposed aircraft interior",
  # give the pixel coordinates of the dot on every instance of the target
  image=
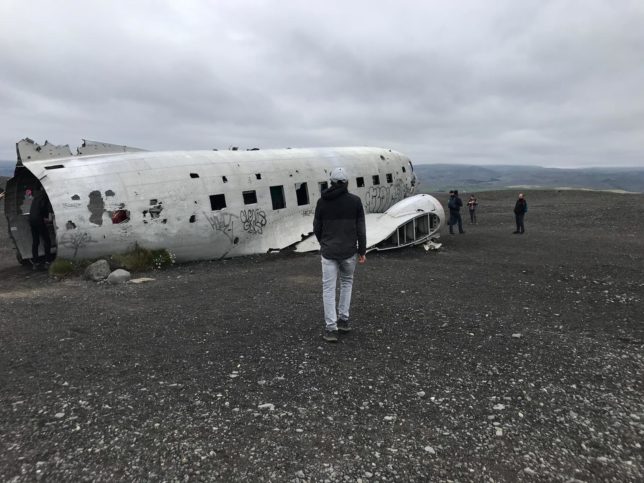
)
(18, 198)
(416, 229)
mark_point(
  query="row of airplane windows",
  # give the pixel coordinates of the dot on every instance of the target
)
(218, 201)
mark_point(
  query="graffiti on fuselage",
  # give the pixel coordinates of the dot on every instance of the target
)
(253, 221)
(223, 223)
(380, 198)
(76, 240)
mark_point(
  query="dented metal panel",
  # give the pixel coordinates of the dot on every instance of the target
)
(28, 150)
(98, 147)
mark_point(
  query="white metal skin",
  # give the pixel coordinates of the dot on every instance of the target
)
(173, 199)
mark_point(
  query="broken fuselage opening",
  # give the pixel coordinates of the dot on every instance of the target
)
(413, 232)
(18, 198)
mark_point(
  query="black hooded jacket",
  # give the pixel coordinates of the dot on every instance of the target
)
(40, 208)
(339, 223)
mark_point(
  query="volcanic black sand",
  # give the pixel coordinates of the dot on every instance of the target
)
(499, 357)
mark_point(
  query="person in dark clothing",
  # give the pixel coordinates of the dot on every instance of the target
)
(520, 209)
(454, 204)
(339, 226)
(472, 204)
(38, 213)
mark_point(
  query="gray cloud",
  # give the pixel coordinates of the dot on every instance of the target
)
(553, 83)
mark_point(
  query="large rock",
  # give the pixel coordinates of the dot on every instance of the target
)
(118, 276)
(98, 271)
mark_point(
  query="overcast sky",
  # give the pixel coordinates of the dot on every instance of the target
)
(549, 83)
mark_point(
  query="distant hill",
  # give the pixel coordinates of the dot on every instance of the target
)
(7, 167)
(443, 177)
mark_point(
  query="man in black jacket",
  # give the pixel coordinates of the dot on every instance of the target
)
(38, 213)
(454, 204)
(520, 209)
(339, 226)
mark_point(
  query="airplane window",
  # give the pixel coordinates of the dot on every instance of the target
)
(250, 197)
(360, 182)
(277, 196)
(194, 175)
(404, 170)
(55, 166)
(217, 202)
(390, 178)
(225, 180)
(376, 179)
(302, 193)
(323, 185)
(258, 175)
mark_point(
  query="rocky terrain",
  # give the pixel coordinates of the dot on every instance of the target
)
(499, 357)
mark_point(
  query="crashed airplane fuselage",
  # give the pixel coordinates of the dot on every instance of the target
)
(209, 204)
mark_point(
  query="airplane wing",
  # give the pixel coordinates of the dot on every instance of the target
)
(412, 221)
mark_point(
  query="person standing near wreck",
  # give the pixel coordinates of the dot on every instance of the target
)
(339, 226)
(471, 205)
(520, 209)
(454, 204)
(38, 213)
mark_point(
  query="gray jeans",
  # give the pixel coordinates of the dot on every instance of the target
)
(330, 271)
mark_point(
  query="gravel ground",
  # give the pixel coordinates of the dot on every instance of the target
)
(499, 357)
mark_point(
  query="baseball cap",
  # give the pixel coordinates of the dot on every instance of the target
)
(339, 175)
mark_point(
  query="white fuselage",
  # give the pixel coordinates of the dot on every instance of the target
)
(206, 204)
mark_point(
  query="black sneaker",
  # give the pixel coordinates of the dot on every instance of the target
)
(330, 335)
(343, 325)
